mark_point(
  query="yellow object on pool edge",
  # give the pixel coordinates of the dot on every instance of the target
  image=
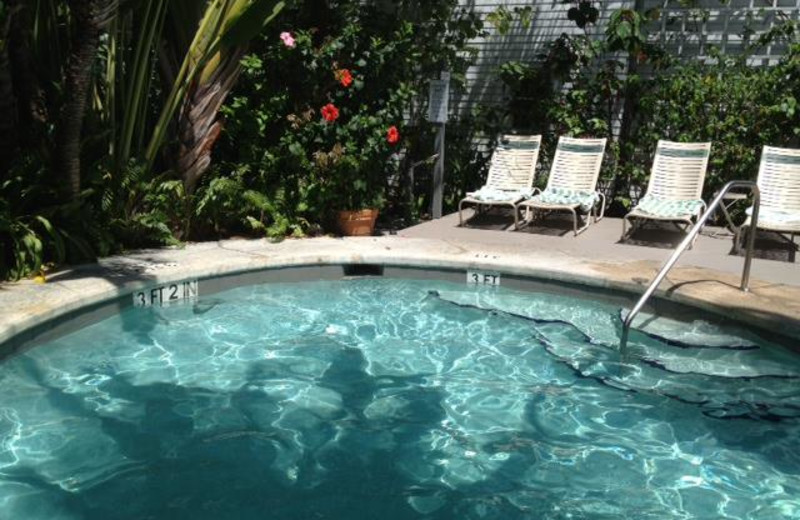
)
(40, 278)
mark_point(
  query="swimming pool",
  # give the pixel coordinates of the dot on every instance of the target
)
(381, 398)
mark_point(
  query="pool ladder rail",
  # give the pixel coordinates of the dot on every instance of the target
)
(687, 241)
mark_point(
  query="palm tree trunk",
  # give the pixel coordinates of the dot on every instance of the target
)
(31, 102)
(209, 68)
(198, 126)
(7, 131)
(90, 17)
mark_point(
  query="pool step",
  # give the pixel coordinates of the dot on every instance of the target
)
(726, 374)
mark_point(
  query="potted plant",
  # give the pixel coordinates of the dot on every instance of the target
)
(349, 150)
(353, 171)
(356, 190)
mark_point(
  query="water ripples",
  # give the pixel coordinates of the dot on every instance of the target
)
(398, 399)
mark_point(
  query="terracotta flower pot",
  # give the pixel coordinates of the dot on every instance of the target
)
(357, 223)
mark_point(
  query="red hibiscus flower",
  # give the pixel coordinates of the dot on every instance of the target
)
(392, 135)
(344, 77)
(330, 113)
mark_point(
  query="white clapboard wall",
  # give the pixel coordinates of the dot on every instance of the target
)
(518, 44)
(687, 32)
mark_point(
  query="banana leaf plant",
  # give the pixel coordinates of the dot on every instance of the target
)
(195, 46)
(207, 72)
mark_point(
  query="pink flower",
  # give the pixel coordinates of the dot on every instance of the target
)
(288, 39)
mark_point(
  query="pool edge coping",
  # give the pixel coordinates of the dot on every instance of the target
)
(51, 301)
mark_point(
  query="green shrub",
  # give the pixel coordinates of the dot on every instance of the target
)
(300, 168)
(35, 229)
(738, 107)
(726, 100)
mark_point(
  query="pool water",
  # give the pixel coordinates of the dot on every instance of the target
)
(397, 399)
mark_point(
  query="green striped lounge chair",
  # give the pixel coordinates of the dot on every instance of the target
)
(511, 172)
(674, 192)
(572, 184)
(779, 184)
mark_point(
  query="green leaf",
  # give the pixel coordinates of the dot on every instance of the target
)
(255, 224)
(624, 30)
(250, 21)
(58, 243)
(33, 245)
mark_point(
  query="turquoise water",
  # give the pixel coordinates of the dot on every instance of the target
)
(387, 399)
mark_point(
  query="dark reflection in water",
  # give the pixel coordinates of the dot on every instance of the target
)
(396, 404)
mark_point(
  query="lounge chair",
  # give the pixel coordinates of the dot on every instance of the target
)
(511, 172)
(572, 183)
(779, 183)
(674, 193)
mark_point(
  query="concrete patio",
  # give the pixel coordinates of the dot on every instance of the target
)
(601, 242)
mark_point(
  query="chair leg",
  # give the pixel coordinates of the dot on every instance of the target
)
(528, 216)
(789, 239)
(460, 218)
(575, 228)
(690, 225)
(515, 209)
(602, 208)
(574, 221)
(585, 226)
(635, 223)
(624, 236)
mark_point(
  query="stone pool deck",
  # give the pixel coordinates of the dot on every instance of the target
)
(707, 276)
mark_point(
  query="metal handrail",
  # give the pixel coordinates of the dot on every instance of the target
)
(626, 324)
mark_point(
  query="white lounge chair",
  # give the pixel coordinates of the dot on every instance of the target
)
(779, 184)
(572, 183)
(511, 172)
(674, 192)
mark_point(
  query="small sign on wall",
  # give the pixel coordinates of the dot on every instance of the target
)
(438, 97)
(166, 294)
(483, 278)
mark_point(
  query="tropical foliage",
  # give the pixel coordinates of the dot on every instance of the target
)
(113, 114)
(157, 121)
(319, 125)
(130, 123)
(652, 96)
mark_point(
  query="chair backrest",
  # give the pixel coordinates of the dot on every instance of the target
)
(513, 164)
(679, 170)
(779, 179)
(576, 164)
